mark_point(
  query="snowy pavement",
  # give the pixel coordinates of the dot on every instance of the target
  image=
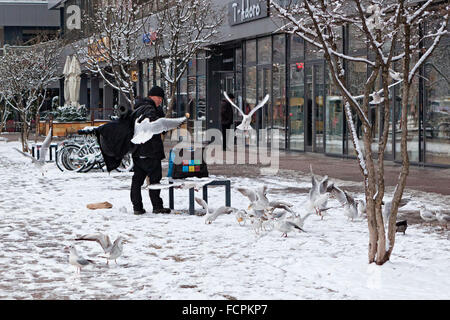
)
(178, 256)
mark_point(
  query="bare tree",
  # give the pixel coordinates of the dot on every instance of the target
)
(393, 32)
(4, 112)
(182, 29)
(115, 46)
(25, 75)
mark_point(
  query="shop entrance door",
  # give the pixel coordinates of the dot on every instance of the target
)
(315, 108)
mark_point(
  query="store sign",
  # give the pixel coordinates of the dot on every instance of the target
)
(73, 21)
(241, 11)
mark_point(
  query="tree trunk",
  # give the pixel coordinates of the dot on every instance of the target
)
(170, 107)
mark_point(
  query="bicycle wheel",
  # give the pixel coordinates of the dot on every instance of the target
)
(74, 158)
(127, 163)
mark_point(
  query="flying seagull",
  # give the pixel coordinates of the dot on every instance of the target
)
(43, 153)
(354, 208)
(76, 260)
(146, 129)
(115, 251)
(247, 118)
(318, 194)
(186, 184)
(211, 215)
(260, 202)
(102, 239)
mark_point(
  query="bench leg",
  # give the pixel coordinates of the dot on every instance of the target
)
(205, 193)
(191, 201)
(228, 194)
(171, 204)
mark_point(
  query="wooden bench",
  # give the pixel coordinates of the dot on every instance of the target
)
(226, 183)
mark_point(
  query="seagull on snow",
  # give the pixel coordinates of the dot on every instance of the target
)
(43, 153)
(212, 215)
(76, 260)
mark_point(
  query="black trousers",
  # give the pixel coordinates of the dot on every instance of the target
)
(225, 127)
(146, 167)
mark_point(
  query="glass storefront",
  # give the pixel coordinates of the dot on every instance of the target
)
(296, 94)
(334, 126)
(437, 105)
(308, 108)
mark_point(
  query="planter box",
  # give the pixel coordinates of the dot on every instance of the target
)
(62, 129)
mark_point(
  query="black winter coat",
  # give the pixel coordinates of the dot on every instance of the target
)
(226, 112)
(154, 148)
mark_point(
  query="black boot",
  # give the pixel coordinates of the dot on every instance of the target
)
(162, 210)
(139, 211)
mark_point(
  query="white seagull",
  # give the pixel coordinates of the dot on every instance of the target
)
(186, 184)
(146, 129)
(76, 260)
(212, 215)
(260, 202)
(388, 208)
(247, 118)
(116, 250)
(102, 239)
(241, 216)
(318, 194)
(286, 226)
(354, 208)
(298, 220)
(443, 218)
(43, 153)
(427, 215)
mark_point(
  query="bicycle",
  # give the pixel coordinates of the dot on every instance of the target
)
(82, 153)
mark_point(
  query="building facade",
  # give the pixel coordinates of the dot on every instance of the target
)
(22, 21)
(250, 59)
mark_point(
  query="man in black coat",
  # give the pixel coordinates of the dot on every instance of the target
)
(147, 157)
(226, 112)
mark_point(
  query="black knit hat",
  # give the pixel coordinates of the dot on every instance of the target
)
(156, 92)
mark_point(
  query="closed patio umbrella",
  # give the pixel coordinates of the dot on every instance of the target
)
(66, 73)
(74, 82)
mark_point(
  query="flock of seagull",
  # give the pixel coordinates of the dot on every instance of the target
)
(261, 212)
(263, 215)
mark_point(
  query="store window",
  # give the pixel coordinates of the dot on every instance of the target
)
(296, 108)
(250, 52)
(264, 50)
(334, 118)
(437, 105)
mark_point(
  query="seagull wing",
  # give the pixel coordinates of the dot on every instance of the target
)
(45, 146)
(202, 203)
(26, 155)
(323, 185)
(233, 104)
(260, 105)
(100, 238)
(145, 130)
(249, 193)
(340, 195)
(296, 226)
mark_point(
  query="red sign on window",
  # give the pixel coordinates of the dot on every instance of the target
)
(300, 65)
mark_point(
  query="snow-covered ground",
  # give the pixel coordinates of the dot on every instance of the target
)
(178, 256)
